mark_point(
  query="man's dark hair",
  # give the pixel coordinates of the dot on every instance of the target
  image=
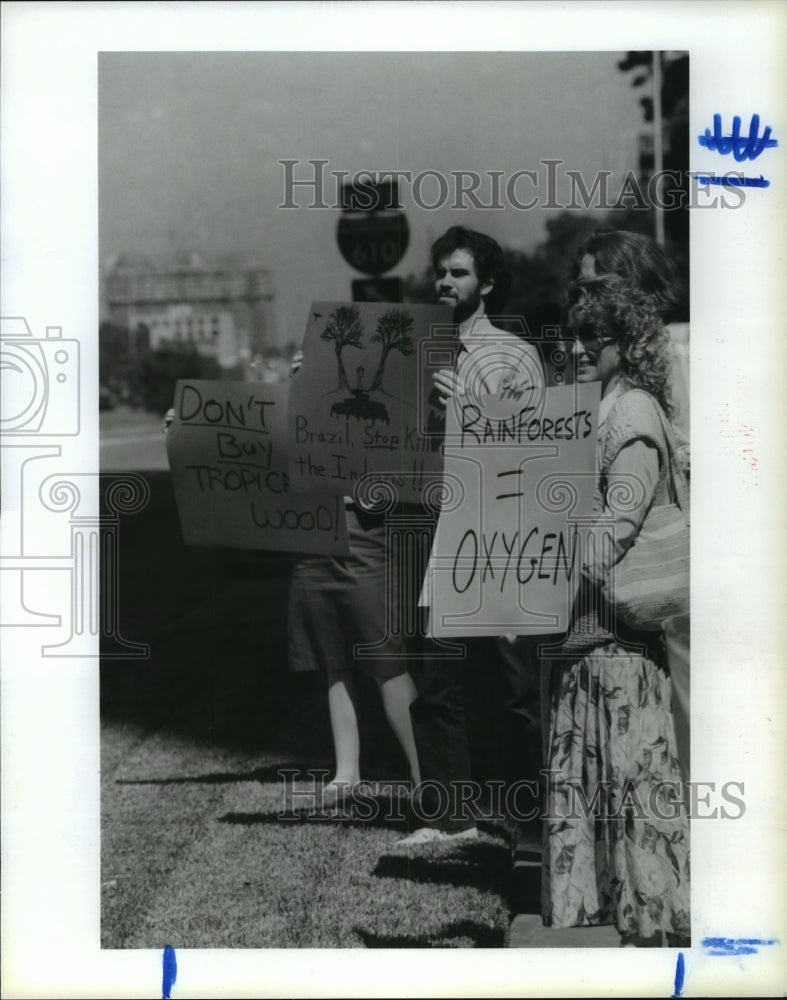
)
(487, 256)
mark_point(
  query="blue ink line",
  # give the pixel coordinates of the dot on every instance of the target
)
(732, 180)
(748, 148)
(735, 946)
(680, 972)
(170, 972)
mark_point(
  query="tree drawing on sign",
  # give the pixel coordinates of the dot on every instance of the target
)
(393, 334)
(359, 405)
(344, 329)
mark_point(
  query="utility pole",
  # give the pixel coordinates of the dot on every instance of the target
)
(658, 141)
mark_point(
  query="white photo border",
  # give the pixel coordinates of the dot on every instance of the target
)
(739, 359)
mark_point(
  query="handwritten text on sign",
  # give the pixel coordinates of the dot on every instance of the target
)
(226, 449)
(508, 549)
(362, 401)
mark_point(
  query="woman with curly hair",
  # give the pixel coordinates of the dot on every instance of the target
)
(616, 836)
(643, 264)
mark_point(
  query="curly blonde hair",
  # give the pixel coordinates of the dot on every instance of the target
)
(632, 318)
(641, 262)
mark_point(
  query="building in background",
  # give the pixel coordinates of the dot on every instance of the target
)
(221, 306)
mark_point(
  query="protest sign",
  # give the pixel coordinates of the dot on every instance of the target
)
(362, 400)
(519, 492)
(227, 454)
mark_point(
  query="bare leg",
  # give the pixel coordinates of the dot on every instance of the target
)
(397, 694)
(344, 726)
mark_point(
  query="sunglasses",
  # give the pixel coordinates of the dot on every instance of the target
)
(592, 340)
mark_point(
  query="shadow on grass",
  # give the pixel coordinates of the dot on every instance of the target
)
(346, 816)
(271, 773)
(497, 829)
(478, 866)
(451, 936)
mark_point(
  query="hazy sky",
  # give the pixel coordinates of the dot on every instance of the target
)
(189, 145)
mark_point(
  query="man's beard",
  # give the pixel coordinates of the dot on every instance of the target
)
(464, 310)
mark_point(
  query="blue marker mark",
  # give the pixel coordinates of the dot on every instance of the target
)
(733, 180)
(735, 946)
(680, 971)
(170, 972)
(742, 148)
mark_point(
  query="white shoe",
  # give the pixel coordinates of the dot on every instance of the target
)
(431, 835)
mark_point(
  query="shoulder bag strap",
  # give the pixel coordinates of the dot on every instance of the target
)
(680, 486)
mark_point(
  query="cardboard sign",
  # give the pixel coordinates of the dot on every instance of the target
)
(227, 455)
(363, 401)
(519, 492)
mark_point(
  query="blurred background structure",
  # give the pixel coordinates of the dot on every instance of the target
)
(192, 228)
(180, 316)
(193, 240)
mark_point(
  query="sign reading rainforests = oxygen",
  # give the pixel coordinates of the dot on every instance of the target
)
(227, 454)
(507, 554)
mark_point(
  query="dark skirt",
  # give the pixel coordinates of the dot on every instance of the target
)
(344, 610)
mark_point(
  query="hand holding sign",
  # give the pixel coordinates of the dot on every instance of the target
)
(447, 384)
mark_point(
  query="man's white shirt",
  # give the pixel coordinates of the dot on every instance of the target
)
(496, 361)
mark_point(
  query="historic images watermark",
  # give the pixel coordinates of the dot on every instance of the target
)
(553, 798)
(41, 403)
(547, 187)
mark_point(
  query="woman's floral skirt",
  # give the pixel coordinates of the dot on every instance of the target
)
(616, 829)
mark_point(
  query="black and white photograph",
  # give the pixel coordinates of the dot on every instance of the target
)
(350, 522)
(236, 191)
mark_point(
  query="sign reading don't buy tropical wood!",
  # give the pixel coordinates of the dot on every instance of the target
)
(362, 403)
(227, 455)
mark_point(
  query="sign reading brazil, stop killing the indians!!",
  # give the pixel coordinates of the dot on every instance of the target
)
(227, 455)
(362, 402)
(511, 537)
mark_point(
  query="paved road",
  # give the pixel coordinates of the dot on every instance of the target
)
(131, 440)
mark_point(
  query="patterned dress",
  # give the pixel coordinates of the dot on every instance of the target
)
(616, 832)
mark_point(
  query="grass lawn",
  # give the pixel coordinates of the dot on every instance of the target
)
(195, 854)
(193, 851)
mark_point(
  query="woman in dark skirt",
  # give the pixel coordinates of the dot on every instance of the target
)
(340, 609)
(340, 612)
